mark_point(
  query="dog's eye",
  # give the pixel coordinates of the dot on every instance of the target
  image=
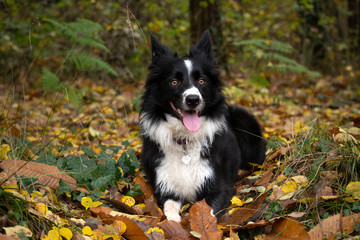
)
(201, 81)
(174, 82)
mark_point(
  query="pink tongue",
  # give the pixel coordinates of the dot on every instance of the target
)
(191, 121)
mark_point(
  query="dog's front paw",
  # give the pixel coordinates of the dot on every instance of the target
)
(171, 210)
(172, 216)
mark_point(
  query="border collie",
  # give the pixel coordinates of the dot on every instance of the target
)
(193, 142)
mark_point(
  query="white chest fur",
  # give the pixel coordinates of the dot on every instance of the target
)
(173, 175)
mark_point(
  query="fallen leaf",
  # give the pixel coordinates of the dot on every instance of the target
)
(155, 233)
(265, 179)
(276, 193)
(289, 186)
(296, 214)
(244, 212)
(46, 174)
(203, 222)
(89, 203)
(128, 200)
(353, 188)
(144, 186)
(174, 231)
(332, 226)
(134, 229)
(17, 230)
(285, 229)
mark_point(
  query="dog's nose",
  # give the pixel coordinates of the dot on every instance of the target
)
(192, 100)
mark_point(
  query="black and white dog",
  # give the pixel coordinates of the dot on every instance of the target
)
(193, 142)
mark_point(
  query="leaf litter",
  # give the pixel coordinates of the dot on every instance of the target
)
(78, 172)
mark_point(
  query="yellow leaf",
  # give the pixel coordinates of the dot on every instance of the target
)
(41, 208)
(267, 42)
(289, 186)
(298, 126)
(32, 139)
(280, 178)
(236, 201)
(155, 229)
(10, 187)
(36, 194)
(87, 231)
(120, 226)
(4, 149)
(66, 233)
(353, 188)
(54, 234)
(128, 200)
(88, 202)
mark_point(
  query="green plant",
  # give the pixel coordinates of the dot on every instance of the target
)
(85, 39)
(271, 55)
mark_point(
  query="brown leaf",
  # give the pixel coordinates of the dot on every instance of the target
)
(152, 209)
(144, 186)
(122, 207)
(5, 237)
(134, 229)
(46, 174)
(244, 212)
(332, 226)
(285, 229)
(203, 222)
(173, 230)
(265, 179)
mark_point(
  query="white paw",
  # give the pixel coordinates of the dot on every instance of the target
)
(171, 216)
(171, 210)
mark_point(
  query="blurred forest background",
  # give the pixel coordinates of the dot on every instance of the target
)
(267, 41)
(71, 76)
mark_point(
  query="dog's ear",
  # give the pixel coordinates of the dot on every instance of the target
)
(204, 45)
(158, 49)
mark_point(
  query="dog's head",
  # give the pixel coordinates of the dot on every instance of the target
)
(187, 87)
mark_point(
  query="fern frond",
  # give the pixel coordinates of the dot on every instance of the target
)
(272, 56)
(86, 62)
(95, 43)
(49, 80)
(299, 69)
(267, 45)
(83, 31)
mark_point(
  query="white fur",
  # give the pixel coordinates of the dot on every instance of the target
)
(191, 91)
(189, 66)
(171, 210)
(172, 175)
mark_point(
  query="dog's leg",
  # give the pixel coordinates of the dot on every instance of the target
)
(171, 210)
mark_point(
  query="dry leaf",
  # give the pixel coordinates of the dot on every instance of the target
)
(353, 188)
(285, 228)
(145, 187)
(244, 212)
(15, 231)
(134, 229)
(173, 230)
(265, 179)
(276, 193)
(46, 174)
(203, 222)
(332, 226)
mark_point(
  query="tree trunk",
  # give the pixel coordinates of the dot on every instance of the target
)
(206, 15)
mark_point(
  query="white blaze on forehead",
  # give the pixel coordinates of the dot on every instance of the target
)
(189, 66)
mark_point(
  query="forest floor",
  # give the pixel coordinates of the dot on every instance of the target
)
(308, 188)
